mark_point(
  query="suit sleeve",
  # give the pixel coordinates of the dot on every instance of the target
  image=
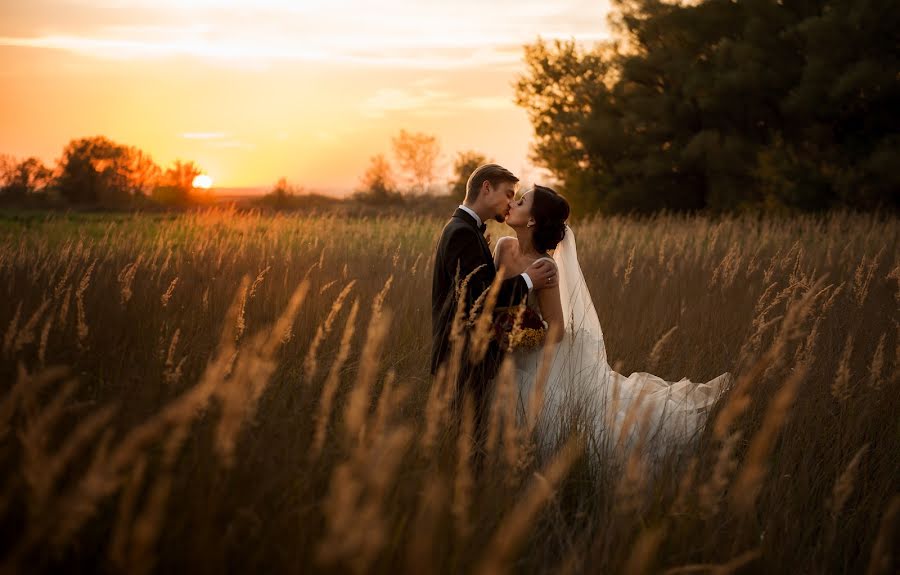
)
(464, 253)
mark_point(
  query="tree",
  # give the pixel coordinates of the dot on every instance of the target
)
(29, 176)
(97, 171)
(463, 166)
(561, 85)
(282, 189)
(143, 173)
(417, 154)
(283, 195)
(378, 183)
(7, 169)
(723, 105)
(181, 175)
(177, 183)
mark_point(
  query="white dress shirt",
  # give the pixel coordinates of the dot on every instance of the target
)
(478, 223)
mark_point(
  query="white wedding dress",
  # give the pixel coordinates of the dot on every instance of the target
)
(583, 391)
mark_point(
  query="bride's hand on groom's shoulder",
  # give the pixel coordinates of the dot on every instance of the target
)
(543, 274)
(487, 238)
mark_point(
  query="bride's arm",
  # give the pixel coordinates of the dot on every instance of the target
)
(551, 311)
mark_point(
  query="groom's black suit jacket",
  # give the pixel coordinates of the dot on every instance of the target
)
(460, 250)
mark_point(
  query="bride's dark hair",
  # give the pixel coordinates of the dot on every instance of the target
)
(550, 212)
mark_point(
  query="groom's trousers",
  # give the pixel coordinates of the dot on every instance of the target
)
(476, 382)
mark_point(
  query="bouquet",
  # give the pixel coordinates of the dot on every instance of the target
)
(518, 327)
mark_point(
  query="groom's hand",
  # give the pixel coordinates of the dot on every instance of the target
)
(542, 274)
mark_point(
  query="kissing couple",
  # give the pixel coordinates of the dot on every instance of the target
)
(542, 293)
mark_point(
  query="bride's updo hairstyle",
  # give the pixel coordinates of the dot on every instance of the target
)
(550, 212)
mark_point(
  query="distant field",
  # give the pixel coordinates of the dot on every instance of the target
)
(228, 391)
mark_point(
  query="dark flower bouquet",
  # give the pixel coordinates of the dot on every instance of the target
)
(518, 327)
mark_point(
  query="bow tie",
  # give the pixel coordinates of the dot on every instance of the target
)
(482, 228)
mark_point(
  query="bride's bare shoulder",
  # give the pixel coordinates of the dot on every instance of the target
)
(506, 242)
(502, 247)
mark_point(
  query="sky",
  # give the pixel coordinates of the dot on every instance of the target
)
(255, 90)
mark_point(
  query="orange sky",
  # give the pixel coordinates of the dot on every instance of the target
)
(258, 89)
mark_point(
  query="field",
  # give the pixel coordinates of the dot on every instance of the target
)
(228, 391)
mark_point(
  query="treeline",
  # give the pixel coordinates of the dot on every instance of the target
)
(723, 105)
(98, 173)
(415, 171)
(411, 177)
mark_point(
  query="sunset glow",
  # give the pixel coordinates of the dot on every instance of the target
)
(202, 182)
(259, 89)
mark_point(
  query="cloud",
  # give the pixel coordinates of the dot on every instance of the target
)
(391, 33)
(218, 140)
(410, 56)
(428, 102)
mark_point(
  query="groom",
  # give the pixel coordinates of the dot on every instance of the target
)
(462, 250)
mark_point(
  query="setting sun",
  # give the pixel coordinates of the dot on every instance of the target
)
(202, 182)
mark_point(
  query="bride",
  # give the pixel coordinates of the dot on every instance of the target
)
(580, 388)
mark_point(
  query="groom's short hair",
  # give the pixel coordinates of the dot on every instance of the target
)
(493, 173)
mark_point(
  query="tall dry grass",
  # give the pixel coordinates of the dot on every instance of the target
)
(233, 391)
